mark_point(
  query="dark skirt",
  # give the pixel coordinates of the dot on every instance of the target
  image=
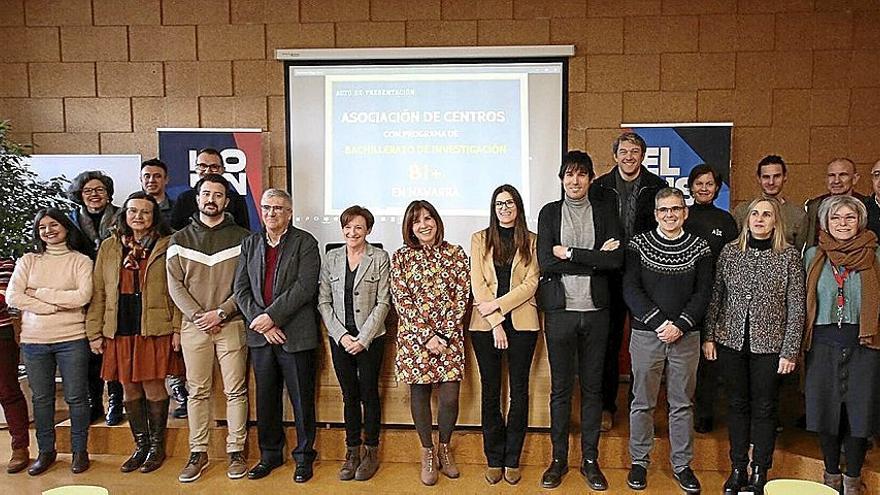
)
(836, 375)
(135, 359)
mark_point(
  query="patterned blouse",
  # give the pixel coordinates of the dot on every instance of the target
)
(430, 288)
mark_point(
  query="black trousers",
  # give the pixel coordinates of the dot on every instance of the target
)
(96, 383)
(273, 368)
(752, 387)
(358, 377)
(611, 371)
(576, 343)
(707, 388)
(502, 443)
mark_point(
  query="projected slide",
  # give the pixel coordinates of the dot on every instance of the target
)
(444, 138)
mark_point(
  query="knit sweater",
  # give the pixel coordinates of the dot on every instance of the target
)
(51, 290)
(667, 280)
(201, 263)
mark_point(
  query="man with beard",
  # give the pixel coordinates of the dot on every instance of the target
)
(208, 161)
(202, 259)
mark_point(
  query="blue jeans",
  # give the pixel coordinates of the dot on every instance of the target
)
(72, 358)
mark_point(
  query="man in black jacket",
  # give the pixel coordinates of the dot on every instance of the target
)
(208, 161)
(630, 188)
(577, 247)
(276, 288)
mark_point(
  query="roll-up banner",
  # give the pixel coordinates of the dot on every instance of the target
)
(242, 152)
(675, 149)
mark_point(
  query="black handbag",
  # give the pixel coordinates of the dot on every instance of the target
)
(551, 292)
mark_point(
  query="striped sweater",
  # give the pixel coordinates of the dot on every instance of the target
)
(201, 263)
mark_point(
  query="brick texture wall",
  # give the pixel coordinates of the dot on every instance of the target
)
(800, 78)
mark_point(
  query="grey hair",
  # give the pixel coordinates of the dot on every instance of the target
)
(831, 204)
(74, 190)
(278, 193)
(668, 192)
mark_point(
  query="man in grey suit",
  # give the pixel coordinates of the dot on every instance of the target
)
(275, 287)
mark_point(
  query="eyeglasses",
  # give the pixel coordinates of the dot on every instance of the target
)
(94, 190)
(210, 167)
(505, 204)
(273, 209)
(670, 209)
(875, 174)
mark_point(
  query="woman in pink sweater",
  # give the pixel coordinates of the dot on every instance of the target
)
(51, 287)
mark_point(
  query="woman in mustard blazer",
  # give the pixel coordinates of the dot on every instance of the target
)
(504, 277)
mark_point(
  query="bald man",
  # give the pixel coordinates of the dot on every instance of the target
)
(840, 179)
(872, 202)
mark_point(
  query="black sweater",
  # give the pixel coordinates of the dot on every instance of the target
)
(667, 280)
(715, 225)
(593, 262)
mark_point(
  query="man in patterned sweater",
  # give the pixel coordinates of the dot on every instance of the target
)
(667, 285)
(202, 259)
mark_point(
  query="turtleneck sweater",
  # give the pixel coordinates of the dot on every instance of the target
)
(578, 231)
(51, 289)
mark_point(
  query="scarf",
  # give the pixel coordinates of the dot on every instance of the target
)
(138, 251)
(858, 255)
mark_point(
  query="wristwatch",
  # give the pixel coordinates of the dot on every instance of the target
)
(568, 252)
(222, 314)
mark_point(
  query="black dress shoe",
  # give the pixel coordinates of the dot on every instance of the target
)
(757, 480)
(687, 480)
(261, 470)
(739, 477)
(553, 475)
(704, 425)
(303, 472)
(80, 462)
(637, 479)
(43, 462)
(595, 478)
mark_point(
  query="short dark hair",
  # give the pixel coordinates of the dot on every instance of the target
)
(357, 211)
(211, 151)
(215, 178)
(76, 240)
(159, 224)
(409, 219)
(772, 160)
(74, 190)
(155, 162)
(577, 161)
(630, 137)
(703, 169)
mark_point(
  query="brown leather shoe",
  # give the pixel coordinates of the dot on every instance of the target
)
(512, 475)
(447, 462)
(494, 475)
(429, 466)
(19, 460)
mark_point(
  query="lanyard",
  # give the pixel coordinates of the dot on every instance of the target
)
(840, 276)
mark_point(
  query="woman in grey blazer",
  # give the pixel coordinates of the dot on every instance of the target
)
(354, 299)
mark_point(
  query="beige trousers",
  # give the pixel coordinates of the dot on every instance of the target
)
(199, 349)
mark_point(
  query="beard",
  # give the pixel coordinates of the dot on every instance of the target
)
(210, 213)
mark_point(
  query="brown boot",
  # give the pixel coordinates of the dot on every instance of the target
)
(157, 414)
(833, 480)
(429, 466)
(369, 463)
(19, 460)
(447, 462)
(852, 486)
(351, 464)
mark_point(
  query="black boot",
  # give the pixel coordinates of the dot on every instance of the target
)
(178, 391)
(96, 389)
(157, 412)
(757, 480)
(114, 403)
(137, 421)
(739, 478)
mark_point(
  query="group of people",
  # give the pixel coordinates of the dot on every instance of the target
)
(698, 285)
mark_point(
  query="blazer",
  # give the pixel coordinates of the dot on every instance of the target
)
(159, 315)
(593, 262)
(519, 303)
(371, 294)
(761, 287)
(293, 291)
(604, 188)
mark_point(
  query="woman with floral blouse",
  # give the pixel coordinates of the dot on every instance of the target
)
(430, 286)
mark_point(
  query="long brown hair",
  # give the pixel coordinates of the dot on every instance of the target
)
(501, 254)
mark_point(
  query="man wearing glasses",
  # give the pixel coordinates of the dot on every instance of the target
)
(667, 286)
(208, 161)
(276, 285)
(872, 202)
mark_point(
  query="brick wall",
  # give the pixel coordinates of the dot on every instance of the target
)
(800, 78)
